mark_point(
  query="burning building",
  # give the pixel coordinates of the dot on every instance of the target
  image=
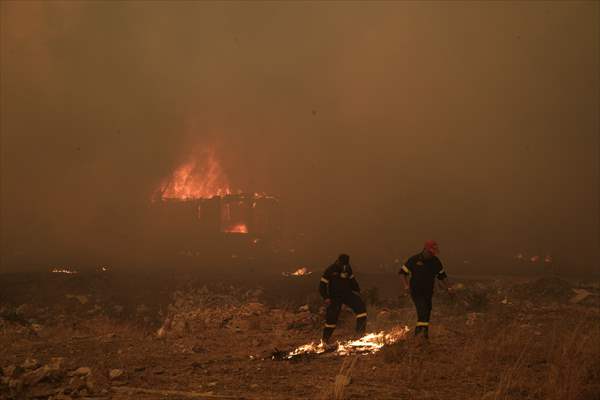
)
(253, 214)
(196, 206)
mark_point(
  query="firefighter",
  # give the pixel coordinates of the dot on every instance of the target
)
(339, 286)
(418, 275)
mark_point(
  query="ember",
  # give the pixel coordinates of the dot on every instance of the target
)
(64, 271)
(368, 344)
(238, 228)
(299, 272)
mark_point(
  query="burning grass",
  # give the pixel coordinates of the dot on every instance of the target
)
(367, 344)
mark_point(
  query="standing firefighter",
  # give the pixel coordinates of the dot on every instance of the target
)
(339, 286)
(422, 269)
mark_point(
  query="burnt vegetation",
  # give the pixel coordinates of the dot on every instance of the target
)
(81, 337)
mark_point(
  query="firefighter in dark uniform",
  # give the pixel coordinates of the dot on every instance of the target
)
(339, 286)
(418, 275)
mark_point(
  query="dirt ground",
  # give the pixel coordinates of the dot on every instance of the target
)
(96, 335)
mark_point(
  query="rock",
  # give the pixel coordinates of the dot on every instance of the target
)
(580, 295)
(33, 377)
(254, 386)
(37, 328)
(255, 308)
(81, 371)
(115, 374)
(161, 333)
(50, 371)
(304, 308)
(211, 384)
(30, 363)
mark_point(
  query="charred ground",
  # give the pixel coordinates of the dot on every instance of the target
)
(498, 338)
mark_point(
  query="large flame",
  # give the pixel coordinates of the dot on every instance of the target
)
(197, 179)
(368, 344)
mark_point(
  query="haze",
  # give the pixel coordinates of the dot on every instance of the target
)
(379, 125)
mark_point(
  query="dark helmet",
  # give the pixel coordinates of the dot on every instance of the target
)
(344, 259)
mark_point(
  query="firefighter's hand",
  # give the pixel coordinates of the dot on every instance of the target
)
(327, 302)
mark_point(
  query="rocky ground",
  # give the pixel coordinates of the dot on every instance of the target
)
(106, 335)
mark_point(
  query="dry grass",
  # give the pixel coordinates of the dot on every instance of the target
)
(502, 359)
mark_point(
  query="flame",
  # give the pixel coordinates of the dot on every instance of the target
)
(303, 271)
(197, 180)
(238, 228)
(64, 271)
(368, 344)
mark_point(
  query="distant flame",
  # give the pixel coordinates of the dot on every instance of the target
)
(368, 344)
(64, 271)
(238, 228)
(197, 179)
(299, 272)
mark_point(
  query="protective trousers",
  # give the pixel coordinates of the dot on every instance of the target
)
(353, 301)
(422, 302)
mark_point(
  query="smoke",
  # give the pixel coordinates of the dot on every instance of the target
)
(379, 125)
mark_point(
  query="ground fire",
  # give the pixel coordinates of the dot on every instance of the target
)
(63, 270)
(302, 271)
(367, 344)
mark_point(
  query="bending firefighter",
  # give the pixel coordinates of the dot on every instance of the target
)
(422, 269)
(339, 286)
